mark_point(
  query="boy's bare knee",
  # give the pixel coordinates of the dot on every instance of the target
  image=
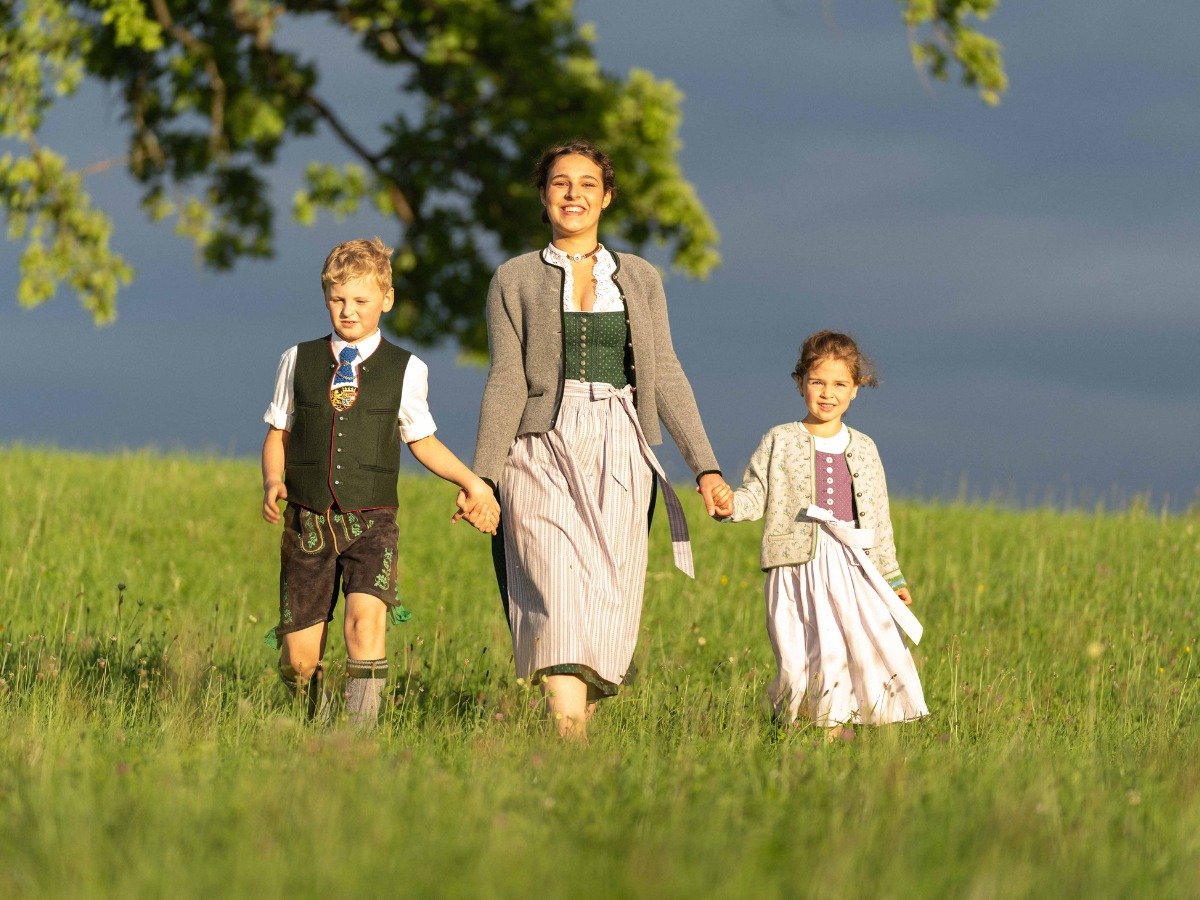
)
(300, 667)
(366, 616)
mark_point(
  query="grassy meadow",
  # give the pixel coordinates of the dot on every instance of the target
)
(146, 749)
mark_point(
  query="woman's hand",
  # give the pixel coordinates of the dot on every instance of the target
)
(903, 594)
(723, 500)
(706, 484)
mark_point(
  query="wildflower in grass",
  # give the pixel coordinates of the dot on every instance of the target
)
(1095, 650)
(702, 640)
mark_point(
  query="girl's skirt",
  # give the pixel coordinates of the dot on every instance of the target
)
(576, 501)
(836, 628)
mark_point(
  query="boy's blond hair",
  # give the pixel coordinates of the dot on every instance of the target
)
(354, 259)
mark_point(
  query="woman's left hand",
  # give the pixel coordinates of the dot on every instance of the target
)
(705, 485)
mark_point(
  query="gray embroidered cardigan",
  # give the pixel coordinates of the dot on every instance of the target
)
(525, 340)
(779, 483)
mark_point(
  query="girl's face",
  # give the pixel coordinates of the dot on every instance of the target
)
(828, 388)
(574, 196)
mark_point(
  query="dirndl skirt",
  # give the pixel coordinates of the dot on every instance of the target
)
(576, 501)
(836, 628)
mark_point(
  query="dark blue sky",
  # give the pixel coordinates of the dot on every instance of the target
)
(1024, 276)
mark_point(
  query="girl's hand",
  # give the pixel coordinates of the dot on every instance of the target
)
(903, 594)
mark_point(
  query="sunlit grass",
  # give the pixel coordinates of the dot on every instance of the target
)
(145, 748)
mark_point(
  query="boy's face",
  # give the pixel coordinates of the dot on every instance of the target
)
(356, 306)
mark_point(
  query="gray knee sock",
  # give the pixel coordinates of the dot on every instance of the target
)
(365, 680)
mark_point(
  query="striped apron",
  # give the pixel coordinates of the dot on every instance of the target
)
(575, 505)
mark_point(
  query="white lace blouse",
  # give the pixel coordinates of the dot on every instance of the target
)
(608, 295)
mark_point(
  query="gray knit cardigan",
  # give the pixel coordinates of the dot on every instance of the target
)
(525, 383)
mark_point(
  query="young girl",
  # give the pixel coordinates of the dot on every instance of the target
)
(836, 600)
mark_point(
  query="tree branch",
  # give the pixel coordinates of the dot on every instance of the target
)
(216, 140)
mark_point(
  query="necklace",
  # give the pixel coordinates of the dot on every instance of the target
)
(580, 257)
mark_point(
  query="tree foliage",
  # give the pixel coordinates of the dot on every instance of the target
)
(208, 95)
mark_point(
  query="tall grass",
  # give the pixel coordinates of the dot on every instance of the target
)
(145, 748)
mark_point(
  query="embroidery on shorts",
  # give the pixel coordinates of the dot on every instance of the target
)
(351, 525)
(285, 606)
(311, 538)
(384, 578)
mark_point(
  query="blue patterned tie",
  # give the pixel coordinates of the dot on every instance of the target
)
(345, 371)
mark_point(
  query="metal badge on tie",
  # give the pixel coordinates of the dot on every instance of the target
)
(344, 390)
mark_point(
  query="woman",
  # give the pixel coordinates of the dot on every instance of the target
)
(582, 369)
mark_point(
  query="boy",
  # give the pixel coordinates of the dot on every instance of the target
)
(342, 405)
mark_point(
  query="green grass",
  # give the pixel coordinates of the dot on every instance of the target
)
(145, 749)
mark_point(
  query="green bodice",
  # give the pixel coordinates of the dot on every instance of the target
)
(596, 347)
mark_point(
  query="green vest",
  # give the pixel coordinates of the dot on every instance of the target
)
(596, 347)
(348, 459)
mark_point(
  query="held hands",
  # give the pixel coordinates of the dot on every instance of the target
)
(273, 492)
(477, 504)
(722, 501)
(904, 595)
(718, 497)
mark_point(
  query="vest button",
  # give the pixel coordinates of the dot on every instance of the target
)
(339, 467)
(337, 482)
(339, 449)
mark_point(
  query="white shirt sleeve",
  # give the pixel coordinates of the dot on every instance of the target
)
(282, 410)
(416, 421)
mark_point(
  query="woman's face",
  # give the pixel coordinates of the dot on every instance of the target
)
(575, 196)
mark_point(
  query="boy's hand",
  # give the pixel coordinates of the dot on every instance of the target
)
(903, 594)
(477, 504)
(722, 496)
(273, 492)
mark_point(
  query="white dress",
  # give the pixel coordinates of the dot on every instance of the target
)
(836, 628)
